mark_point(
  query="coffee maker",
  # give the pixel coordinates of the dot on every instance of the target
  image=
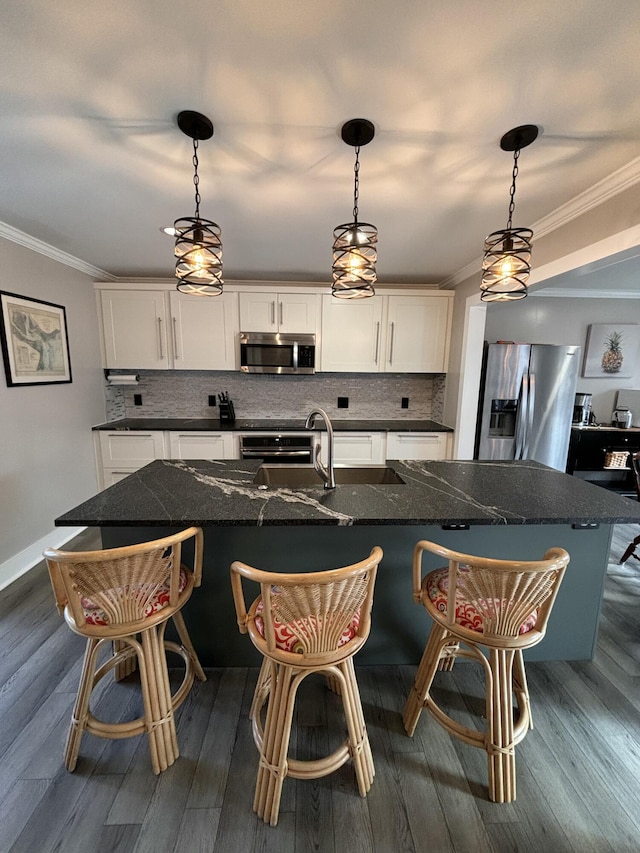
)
(582, 409)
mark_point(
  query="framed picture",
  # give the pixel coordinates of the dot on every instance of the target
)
(35, 346)
(611, 350)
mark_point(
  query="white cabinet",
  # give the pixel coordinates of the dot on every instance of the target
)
(278, 312)
(351, 334)
(404, 333)
(203, 331)
(134, 324)
(202, 445)
(356, 448)
(418, 445)
(161, 329)
(119, 453)
(418, 329)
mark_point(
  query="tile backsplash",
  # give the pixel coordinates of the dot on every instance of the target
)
(371, 396)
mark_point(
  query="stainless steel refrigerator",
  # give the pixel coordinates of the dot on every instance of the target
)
(526, 402)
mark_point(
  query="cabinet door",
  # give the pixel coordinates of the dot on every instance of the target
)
(358, 448)
(258, 312)
(135, 329)
(278, 312)
(416, 445)
(130, 449)
(351, 334)
(418, 334)
(110, 476)
(297, 312)
(203, 331)
(201, 445)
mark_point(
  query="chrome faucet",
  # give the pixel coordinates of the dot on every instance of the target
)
(326, 473)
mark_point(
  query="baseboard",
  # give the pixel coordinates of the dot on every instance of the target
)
(16, 566)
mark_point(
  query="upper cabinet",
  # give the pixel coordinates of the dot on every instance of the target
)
(278, 312)
(418, 330)
(351, 334)
(160, 329)
(397, 333)
(134, 325)
(204, 331)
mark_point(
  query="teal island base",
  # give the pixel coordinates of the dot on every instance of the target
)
(399, 627)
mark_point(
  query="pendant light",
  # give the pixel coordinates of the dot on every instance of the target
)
(507, 254)
(198, 247)
(354, 244)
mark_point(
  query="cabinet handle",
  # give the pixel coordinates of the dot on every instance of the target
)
(273, 313)
(281, 313)
(175, 340)
(391, 344)
(377, 341)
(160, 336)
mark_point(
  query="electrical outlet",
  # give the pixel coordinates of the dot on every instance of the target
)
(137, 399)
(212, 399)
(343, 402)
(405, 403)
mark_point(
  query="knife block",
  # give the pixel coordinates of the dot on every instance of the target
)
(227, 414)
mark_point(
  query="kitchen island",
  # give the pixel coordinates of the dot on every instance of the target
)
(500, 509)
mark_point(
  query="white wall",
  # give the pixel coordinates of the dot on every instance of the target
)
(554, 320)
(46, 450)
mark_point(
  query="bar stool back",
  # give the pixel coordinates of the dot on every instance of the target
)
(302, 624)
(126, 596)
(502, 605)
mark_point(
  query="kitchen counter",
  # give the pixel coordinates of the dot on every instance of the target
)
(513, 510)
(221, 493)
(269, 425)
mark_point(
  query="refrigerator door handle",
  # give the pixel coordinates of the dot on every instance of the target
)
(529, 414)
(521, 418)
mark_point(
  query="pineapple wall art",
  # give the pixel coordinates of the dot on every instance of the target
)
(612, 351)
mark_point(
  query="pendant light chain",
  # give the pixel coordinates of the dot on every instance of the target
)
(196, 177)
(356, 185)
(514, 175)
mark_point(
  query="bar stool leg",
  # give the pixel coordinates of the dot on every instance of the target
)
(500, 740)
(424, 677)
(273, 757)
(159, 717)
(359, 747)
(81, 706)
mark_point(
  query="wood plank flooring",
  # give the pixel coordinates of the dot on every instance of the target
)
(578, 771)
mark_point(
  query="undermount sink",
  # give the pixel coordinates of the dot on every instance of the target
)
(305, 475)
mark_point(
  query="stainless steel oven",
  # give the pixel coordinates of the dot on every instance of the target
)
(277, 448)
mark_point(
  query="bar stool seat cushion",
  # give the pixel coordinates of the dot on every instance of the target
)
(286, 639)
(95, 615)
(436, 584)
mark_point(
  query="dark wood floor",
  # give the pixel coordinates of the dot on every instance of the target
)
(578, 770)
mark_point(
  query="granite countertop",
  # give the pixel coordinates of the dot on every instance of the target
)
(269, 425)
(208, 492)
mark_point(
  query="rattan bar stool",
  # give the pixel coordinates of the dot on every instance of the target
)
(302, 624)
(125, 597)
(503, 605)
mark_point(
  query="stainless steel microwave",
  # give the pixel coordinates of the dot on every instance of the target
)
(275, 352)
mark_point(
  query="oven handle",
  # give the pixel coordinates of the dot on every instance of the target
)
(258, 454)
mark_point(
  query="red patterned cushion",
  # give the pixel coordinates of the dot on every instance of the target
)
(95, 615)
(467, 616)
(287, 640)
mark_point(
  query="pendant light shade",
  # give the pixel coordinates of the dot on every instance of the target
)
(354, 243)
(507, 253)
(198, 247)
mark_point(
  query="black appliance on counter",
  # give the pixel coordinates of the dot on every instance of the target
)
(277, 448)
(582, 409)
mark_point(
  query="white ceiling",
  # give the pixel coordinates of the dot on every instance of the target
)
(92, 162)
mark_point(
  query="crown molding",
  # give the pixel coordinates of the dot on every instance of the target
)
(614, 184)
(572, 293)
(42, 248)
